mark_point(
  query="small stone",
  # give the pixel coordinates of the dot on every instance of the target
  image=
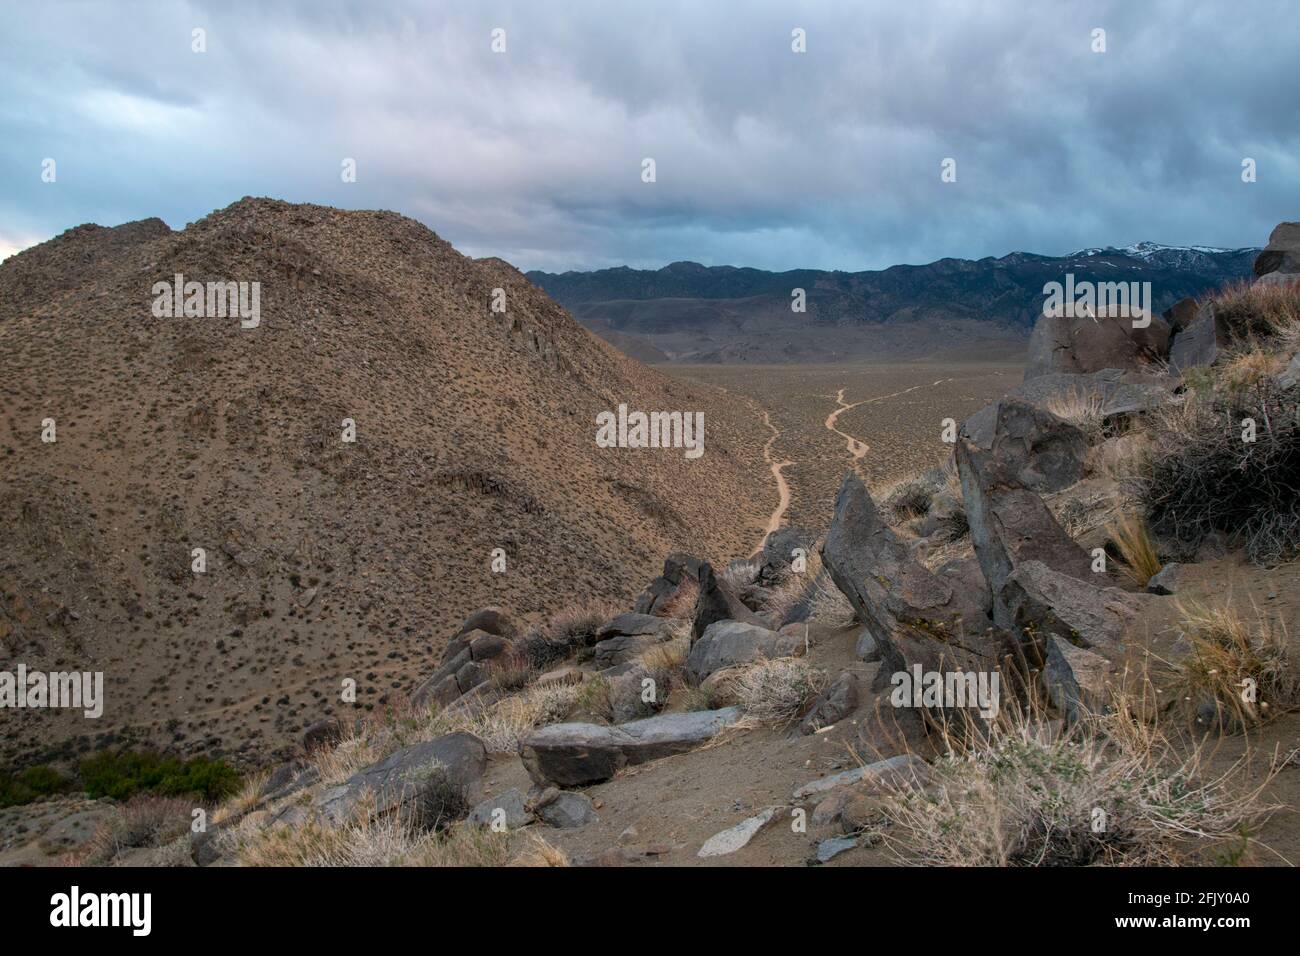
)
(832, 847)
(737, 837)
(1166, 580)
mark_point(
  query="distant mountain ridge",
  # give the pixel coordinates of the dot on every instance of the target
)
(686, 311)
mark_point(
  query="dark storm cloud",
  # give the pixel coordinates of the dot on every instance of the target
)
(764, 157)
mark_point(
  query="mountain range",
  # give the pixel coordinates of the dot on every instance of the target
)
(687, 312)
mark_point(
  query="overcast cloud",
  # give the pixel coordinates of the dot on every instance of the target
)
(765, 157)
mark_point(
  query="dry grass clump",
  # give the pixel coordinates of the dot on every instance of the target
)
(913, 496)
(512, 671)
(577, 626)
(1200, 476)
(666, 664)
(1082, 409)
(1024, 792)
(1234, 676)
(386, 841)
(813, 589)
(1252, 309)
(502, 723)
(537, 852)
(1131, 538)
(741, 574)
(143, 822)
(778, 691)
(243, 800)
(682, 602)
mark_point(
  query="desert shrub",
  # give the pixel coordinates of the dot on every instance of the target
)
(1199, 476)
(777, 691)
(577, 626)
(513, 670)
(441, 800)
(1132, 540)
(142, 822)
(122, 774)
(1261, 311)
(1234, 676)
(31, 784)
(501, 724)
(386, 841)
(1023, 793)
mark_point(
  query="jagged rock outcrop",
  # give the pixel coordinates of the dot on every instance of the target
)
(1042, 603)
(1009, 523)
(915, 615)
(718, 602)
(1043, 452)
(1078, 681)
(1200, 343)
(677, 568)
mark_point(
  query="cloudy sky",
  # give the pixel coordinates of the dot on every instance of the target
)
(765, 157)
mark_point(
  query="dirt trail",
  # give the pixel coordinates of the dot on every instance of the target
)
(782, 486)
(858, 448)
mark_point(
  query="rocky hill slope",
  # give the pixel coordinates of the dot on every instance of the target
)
(325, 559)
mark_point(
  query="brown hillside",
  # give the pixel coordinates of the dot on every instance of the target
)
(326, 560)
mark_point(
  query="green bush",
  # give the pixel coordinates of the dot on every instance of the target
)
(121, 774)
(31, 784)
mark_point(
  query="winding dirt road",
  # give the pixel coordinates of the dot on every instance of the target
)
(782, 486)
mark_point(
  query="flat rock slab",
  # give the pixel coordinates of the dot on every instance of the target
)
(902, 766)
(579, 754)
(832, 847)
(735, 838)
(568, 811)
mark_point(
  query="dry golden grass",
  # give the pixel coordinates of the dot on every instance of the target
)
(502, 723)
(1132, 539)
(1235, 675)
(682, 602)
(1082, 410)
(368, 842)
(1260, 310)
(1024, 791)
(776, 692)
(248, 796)
(1247, 368)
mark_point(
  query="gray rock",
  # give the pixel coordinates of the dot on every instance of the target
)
(632, 625)
(441, 687)
(867, 649)
(625, 695)
(625, 647)
(1181, 314)
(1077, 680)
(779, 547)
(1201, 343)
(726, 643)
(1034, 447)
(903, 769)
(409, 779)
(491, 620)
(832, 847)
(832, 705)
(1291, 374)
(568, 811)
(1166, 580)
(505, 811)
(578, 754)
(736, 838)
(488, 647)
(1044, 603)
(718, 602)
(913, 614)
(1083, 344)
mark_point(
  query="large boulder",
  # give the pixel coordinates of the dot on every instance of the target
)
(718, 602)
(1009, 523)
(1083, 343)
(442, 771)
(579, 754)
(727, 643)
(915, 615)
(779, 547)
(1044, 603)
(1282, 254)
(1043, 452)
